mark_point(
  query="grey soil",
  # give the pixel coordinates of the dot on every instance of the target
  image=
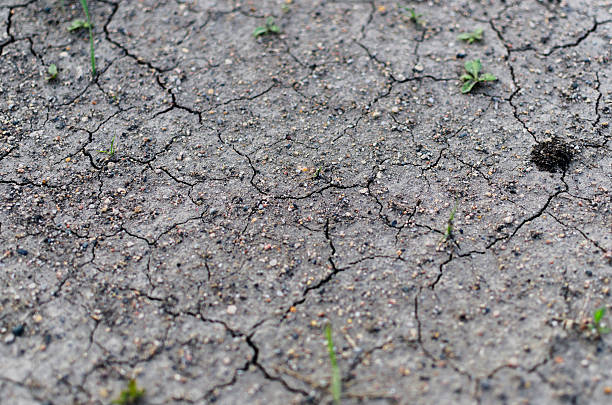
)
(264, 187)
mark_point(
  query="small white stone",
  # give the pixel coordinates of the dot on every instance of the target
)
(231, 310)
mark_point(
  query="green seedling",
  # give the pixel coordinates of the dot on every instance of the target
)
(268, 29)
(413, 16)
(471, 37)
(448, 234)
(130, 395)
(472, 75)
(597, 327)
(52, 72)
(336, 384)
(111, 151)
(78, 24)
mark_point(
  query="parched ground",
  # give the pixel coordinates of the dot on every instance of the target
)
(265, 187)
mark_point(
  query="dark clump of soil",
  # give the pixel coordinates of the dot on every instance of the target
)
(552, 155)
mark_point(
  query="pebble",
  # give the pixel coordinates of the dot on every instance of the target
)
(418, 68)
(22, 252)
(231, 310)
(18, 330)
(10, 338)
(509, 219)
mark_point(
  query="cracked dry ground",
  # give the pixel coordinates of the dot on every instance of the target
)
(265, 187)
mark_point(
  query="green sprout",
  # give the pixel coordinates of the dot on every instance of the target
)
(336, 387)
(413, 16)
(111, 151)
(472, 75)
(269, 28)
(471, 37)
(52, 72)
(597, 326)
(78, 24)
(448, 234)
(130, 395)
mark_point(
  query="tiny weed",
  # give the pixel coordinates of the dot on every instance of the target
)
(597, 327)
(336, 387)
(448, 234)
(414, 17)
(130, 395)
(110, 152)
(471, 37)
(317, 173)
(52, 72)
(472, 75)
(269, 28)
(78, 24)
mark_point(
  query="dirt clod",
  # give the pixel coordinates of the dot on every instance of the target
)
(552, 155)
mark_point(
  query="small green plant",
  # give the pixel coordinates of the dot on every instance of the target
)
(111, 151)
(448, 234)
(78, 24)
(130, 395)
(472, 75)
(52, 72)
(336, 384)
(597, 327)
(269, 28)
(471, 37)
(413, 16)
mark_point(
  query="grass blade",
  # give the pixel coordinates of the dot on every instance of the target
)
(91, 39)
(336, 387)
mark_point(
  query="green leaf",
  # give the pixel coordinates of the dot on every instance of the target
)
(466, 76)
(78, 24)
(260, 31)
(274, 29)
(487, 77)
(598, 315)
(473, 67)
(470, 37)
(131, 395)
(467, 86)
(52, 71)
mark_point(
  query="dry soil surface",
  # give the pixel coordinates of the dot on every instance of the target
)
(261, 188)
